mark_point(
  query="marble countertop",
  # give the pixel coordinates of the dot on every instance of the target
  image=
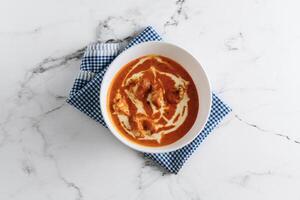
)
(250, 50)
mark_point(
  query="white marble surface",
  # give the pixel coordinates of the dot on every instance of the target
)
(49, 150)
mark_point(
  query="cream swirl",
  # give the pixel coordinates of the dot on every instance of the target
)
(153, 125)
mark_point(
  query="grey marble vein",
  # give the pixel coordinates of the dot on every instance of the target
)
(54, 62)
(53, 109)
(40, 132)
(28, 168)
(107, 27)
(178, 14)
(244, 179)
(254, 89)
(149, 164)
(73, 186)
(257, 127)
(36, 30)
(235, 42)
(47, 64)
(4, 135)
(47, 154)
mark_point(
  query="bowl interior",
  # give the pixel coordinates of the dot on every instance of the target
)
(182, 57)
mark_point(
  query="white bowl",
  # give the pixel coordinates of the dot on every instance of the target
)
(191, 65)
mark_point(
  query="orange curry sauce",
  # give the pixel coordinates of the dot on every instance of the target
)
(153, 101)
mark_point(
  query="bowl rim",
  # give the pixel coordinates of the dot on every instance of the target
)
(124, 140)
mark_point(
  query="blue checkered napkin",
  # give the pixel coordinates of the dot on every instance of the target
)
(85, 95)
(85, 92)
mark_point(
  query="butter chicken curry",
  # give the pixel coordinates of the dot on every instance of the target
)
(153, 101)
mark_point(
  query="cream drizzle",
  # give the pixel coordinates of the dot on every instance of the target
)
(181, 107)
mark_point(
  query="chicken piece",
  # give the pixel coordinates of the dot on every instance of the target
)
(143, 89)
(142, 126)
(157, 97)
(175, 95)
(135, 126)
(172, 97)
(132, 82)
(148, 126)
(120, 105)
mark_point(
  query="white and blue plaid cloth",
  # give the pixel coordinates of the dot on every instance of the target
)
(85, 95)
